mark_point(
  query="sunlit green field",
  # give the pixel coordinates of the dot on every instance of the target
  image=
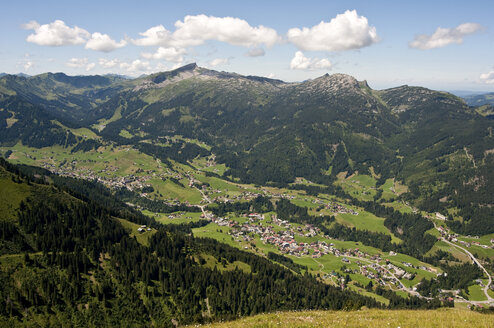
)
(141, 237)
(214, 231)
(179, 217)
(476, 293)
(365, 221)
(359, 186)
(128, 161)
(366, 319)
(11, 195)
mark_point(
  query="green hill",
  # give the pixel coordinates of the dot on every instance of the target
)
(270, 131)
(480, 100)
(68, 98)
(364, 319)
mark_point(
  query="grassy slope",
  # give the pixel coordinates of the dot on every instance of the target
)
(180, 217)
(216, 232)
(366, 221)
(11, 195)
(476, 293)
(359, 186)
(365, 318)
(212, 262)
(142, 238)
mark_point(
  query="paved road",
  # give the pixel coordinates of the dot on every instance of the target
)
(489, 277)
(202, 209)
(486, 287)
(206, 198)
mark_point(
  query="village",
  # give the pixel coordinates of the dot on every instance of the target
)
(283, 235)
(453, 237)
(105, 176)
(288, 238)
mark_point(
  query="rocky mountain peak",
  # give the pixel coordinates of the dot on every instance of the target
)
(188, 67)
(162, 79)
(334, 83)
(339, 80)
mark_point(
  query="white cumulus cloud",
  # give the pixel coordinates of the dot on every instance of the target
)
(108, 63)
(169, 54)
(487, 77)
(77, 62)
(444, 36)
(80, 63)
(55, 34)
(344, 32)
(256, 52)
(299, 61)
(196, 30)
(28, 64)
(136, 66)
(155, 36)
(103, 42)
(90, 66)
(218, 61)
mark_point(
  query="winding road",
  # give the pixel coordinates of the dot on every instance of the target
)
(489, 277)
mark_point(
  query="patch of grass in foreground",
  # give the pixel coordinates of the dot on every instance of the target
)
(365, 319)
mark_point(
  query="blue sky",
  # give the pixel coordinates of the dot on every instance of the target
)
(446, 45)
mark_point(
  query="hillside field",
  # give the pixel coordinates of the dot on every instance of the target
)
(365, 318)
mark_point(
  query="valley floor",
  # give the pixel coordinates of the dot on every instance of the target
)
(330, 259)
(366, 318)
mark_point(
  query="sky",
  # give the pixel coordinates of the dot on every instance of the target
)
(443, 45)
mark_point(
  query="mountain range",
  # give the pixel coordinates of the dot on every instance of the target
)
(193, 196)
(270, 131)
(480, 99)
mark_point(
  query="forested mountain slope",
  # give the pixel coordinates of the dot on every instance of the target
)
(68, 260)
(480, 99)
(269, 131)
(67, 98)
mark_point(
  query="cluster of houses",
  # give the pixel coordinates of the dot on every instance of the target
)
(420, 267)
(143, 228)
(454, 238)
(334, 207)
(474, 243)
(176, 215)
(285, 241)
(105, 176)
(382, 273)
(338, 208)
